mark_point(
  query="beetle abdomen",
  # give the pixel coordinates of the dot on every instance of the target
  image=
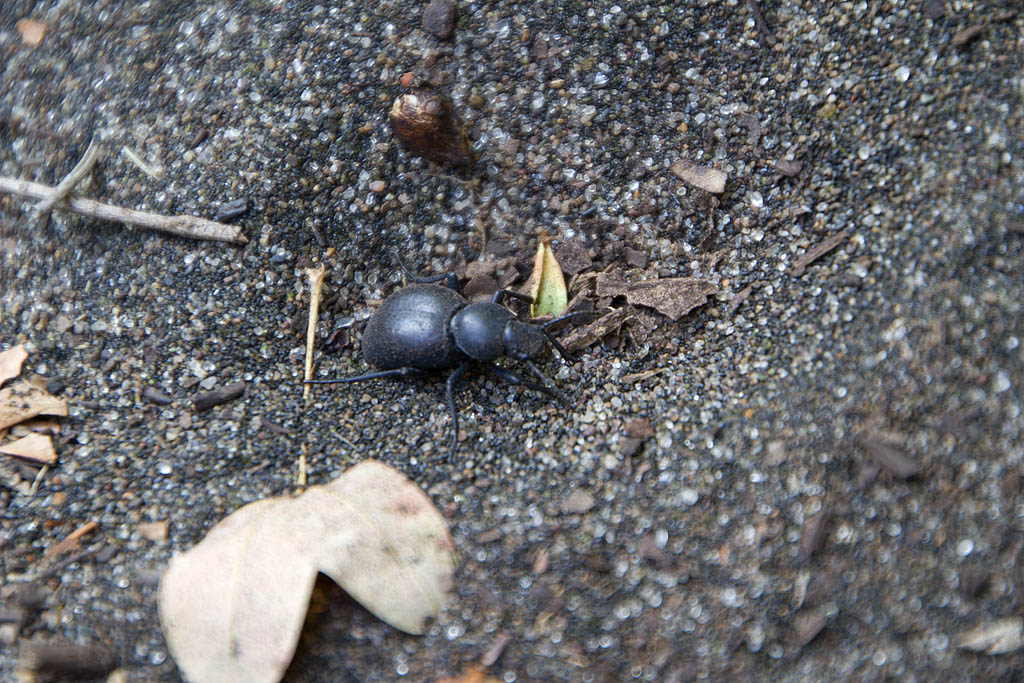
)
(410, 329)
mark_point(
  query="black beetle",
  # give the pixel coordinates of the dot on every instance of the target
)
(427, 326)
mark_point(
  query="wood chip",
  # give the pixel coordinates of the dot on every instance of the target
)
(641, 376)
(630, 446)
(815, 253)
(807, 626)
(814, 532)
(541, 562)
(35, 447)
(70, 542)
(578, 502)
(703, 177)
(574, 257)
(65, 661)
(788, 167)
(10, 362)
(582, 337)
(648, 548)
(739, 298)
(209, 399)
(965, 36)
(674, 296)
(155, 396)
(494, 651)
(894, 462)
(639, 428)
(22, 401)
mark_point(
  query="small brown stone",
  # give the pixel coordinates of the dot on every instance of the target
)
(639, 428)
(578, 502)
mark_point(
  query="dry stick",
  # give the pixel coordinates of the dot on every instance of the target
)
(64, 187)
(185, 226)
(316, 283)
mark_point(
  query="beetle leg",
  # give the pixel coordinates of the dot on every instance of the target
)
(451, 280)
(457, 374)
(513, 378)
(558, 347)
(397, 372)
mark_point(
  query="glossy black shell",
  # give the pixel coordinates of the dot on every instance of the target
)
(411, 329)
(479, 330)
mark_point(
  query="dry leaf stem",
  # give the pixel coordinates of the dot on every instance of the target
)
(316, 283)
(184, 226)
(64, 187)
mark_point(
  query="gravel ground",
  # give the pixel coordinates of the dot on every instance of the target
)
(761, 532)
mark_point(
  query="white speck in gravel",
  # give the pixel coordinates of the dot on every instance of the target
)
(965, 547)
(196, 368)
(689, 496)
(902, 74)
(1002, 382)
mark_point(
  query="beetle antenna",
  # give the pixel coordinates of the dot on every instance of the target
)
(401, 264)
(551, 338)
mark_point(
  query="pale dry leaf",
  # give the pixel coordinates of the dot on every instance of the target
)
(994, 638)
(706, 178)
(21, 401)
(474, 673)
(671, 296)
(154, 531)
(385, 543)
(232, 607)
(34, 447)
(10, 362)
(547, 283)
(31, 31)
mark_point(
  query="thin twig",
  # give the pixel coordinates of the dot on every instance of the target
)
(64, 187)
(184, 226)
(316, 283)
(761, 22)
(153, 173)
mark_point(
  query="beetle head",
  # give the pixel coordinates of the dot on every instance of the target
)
(523, 340)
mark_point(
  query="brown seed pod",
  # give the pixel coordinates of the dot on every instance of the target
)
(426, 123)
